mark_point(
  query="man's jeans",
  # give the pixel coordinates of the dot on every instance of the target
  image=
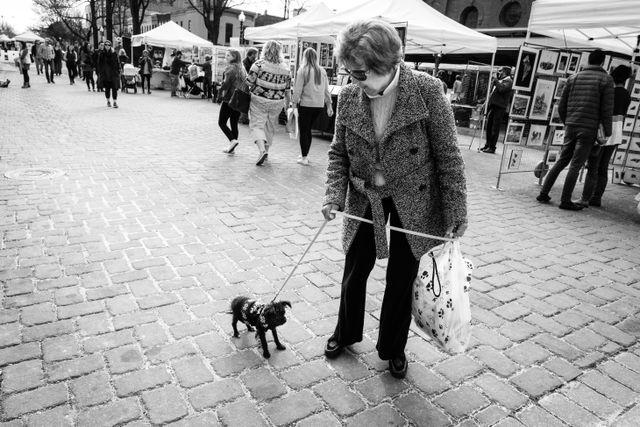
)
(174, 83)
(575, 152)
(48, 69)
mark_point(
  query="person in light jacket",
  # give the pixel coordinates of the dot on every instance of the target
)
(311, 95)
(394, 155)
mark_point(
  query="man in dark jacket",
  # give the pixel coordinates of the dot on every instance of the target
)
(174, 73)
(586, 103)
(496, 107)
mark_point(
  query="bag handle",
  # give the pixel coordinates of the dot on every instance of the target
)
(435, 275)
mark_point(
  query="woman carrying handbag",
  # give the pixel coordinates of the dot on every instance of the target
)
(233, 78)
(310, 95)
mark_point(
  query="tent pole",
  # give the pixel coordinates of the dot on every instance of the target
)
(486, 102)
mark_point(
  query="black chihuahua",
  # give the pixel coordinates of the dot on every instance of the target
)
(263, 316)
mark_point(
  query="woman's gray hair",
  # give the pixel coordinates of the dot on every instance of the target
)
(272, 52)
(372, 42)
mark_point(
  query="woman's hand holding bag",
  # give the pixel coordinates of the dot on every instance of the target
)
(441, 306)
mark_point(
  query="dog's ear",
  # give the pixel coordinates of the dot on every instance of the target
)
(286, 303)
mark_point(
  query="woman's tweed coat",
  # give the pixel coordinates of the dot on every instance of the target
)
(422, 166)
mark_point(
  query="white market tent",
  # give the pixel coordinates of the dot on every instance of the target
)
(611, 25)
(428, 31)
(4, 38)
(290, 28)
(28, 37)
(170, 35)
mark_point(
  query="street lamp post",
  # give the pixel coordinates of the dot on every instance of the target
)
(241, 18)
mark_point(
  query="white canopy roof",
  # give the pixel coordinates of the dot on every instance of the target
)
(170, 35)
(4, 38)
(28, 36)
(428, 31)
(611, 24)
(289, 29)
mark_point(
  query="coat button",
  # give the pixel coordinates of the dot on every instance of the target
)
(422, 187)
(414, 150)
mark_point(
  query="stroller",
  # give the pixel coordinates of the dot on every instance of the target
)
(130, 78)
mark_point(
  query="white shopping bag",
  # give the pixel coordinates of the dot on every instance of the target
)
(292, 122)
(441, 297)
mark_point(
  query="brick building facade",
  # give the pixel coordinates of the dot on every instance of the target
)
(481, 14)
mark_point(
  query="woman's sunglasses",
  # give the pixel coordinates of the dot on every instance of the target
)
(360, 75)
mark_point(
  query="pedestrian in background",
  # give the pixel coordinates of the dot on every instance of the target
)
(394, 156)
(145, 64)
(501, 88)
(71, 59)
(443, 78)
(86, 61)
(39, 50)
(96, 60)
(109, 71)
(48, 54)
(251, 54)
(174, 72)
(25, 64)
(457, 89)
(585, 104)
(598, 163)
(270, 81)
(207, 68)
(124, 59)
(233, 78)
(310, 95)
(57, 59)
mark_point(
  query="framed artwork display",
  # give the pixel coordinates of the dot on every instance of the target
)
(633, 108)
(635, 92)
(547, 62)
(514, 159)
(562, 82)
(618, 158)
(558, 136)
(552, 157)
(536, 135)
(574, 61)
(563, 62)
(624, 142)
(519, 106)
(527, 58)
(555, 117)
(584, 60)
(514, 133)
(628, 124)
(542, 97)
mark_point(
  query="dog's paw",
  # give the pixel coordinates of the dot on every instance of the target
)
(236, 335)
(266, 354)
(281, 347)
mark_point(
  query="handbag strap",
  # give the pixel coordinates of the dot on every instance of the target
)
(435, 275)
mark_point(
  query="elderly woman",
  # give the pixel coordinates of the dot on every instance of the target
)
(394, 157)
(269, 80)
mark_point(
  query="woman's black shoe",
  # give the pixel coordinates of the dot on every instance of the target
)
(333, 348)
(398, 366)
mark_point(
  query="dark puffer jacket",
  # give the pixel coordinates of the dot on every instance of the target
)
(587, 100)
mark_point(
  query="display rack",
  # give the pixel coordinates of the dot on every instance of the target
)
(626, 159)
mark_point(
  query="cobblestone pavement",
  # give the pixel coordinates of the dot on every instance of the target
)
(116, 279)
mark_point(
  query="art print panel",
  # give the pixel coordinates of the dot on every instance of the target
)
(541, 101)
(514, 133)
(536, 135)
(574, 61)
(514, 159)
(547, 62)
(562, 82)
(519, 106)
(563, 62)
(558, 136)
(527, 59)
(555, 116)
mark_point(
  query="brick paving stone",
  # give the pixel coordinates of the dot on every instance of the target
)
(420, 411)
(527, 353)
(39, 332)
(536, 381)
(457, 368)
(608, 387)
(572, 318)
(213, 394)
(9, 334)
(145, 379)
(423, 350)
(45, 397)
(164, 404)
(242, 413)
(340, 398)
(107, 341)
(490, 337)
(567, 411)
(74, 367)
(320, 420)
(128, 320)
(191, 372)
(68, 296)
(115, 413)
(519, 330)
(121, 304)
(591, 400)
(81, 309)
(496, 361)
(8, 316)
(535, 416)
(205, 419)
(548, 324)
(585, 339)
(38, 314)
(629, 419)
(375, 389)
(60, 416)
(22, 376)
(19, 353)
(630, 360)
(491, 415)
(213, 345)
(461, 402)
(174, 314)
(92, 389)
(425, 380)
(349, 368)
(538, 306)
(307, 374)
(558, 346)
(60, 348)
(106, 292)
(124, 359)
(501, 392)
(193, 328)
(612, 333)
(621, 374)
(562, 368)
(384, 414)
(236, 363)
(173, 350)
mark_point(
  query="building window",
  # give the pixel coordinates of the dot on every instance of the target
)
(510, 14)
(181, 23)
(228, 32)
(189, 25)
(469, 17)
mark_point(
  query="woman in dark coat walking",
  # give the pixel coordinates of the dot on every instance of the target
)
(109, 73)
(86, 62)
(72, 67)
(394, 155)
